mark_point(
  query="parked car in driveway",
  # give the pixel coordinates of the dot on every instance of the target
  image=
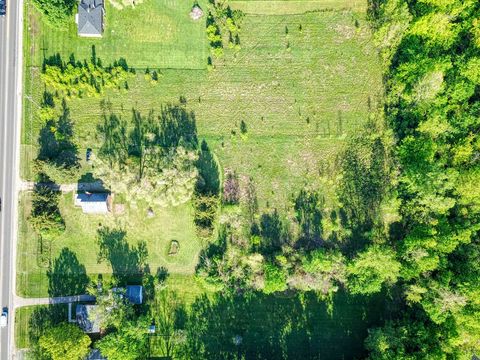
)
(4, 318)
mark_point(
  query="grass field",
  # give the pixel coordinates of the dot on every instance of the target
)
(81, 238)
(156, 33)
(301, 94)
(284, 7)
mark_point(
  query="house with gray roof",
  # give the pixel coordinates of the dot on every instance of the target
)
(93, 203)
(90, 18)
(88, 318)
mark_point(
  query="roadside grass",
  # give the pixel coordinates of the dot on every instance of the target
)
(22, 318)
(158, 34)
(80, 237)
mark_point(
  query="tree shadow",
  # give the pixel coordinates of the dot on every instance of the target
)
(177, 127)
(274, 233)
(259, 326)
(128, 262)
(67, 276)
(43, 318)
(209, 178)
(308, 212)
(56, 141)
(209, 256)
(364, 184)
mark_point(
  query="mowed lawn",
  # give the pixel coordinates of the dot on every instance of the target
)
(283, 7)
(301, 83)
(156, 33)
(81, 238)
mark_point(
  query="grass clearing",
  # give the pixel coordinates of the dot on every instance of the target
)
(301, 83)
(289, 7)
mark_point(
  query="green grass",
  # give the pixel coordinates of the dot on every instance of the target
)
(22, 318)
(156, 33)
(303, 84)
(301, 95)
(81, 238)
(283, 7)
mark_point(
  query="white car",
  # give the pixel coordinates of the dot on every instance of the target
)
(4, 318)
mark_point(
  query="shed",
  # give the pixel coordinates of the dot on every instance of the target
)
(93, 203)
(90, 18)
(133, 293)
(87, 318)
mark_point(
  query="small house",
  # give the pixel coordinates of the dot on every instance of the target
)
(89, 18)
(93, 203)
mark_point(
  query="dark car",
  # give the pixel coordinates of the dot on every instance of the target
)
(88, 155)
(3, 7)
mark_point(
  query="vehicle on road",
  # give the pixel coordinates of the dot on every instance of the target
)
(3, 7)
(4, 318)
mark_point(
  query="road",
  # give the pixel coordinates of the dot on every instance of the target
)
(10, 118)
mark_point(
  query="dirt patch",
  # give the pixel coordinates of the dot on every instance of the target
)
(174, 247)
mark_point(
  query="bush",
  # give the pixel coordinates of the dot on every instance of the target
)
(275, 279)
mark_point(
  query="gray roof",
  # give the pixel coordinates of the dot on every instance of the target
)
(90, 17)
(92, 203)
(133, 293)
(95, 354)
(87, 318)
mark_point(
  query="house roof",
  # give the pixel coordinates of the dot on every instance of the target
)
(87, 318)
(92, 203)
(90, 17)
(133, 293)
(95, 354)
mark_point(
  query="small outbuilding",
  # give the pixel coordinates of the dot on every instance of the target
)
(90, 18)
(93, 203)
(133, 293)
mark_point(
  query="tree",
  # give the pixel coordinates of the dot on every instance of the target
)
(169, 315)
(129, 342)
(45, 215)
(154, 161)
(371, 269)
(275, 278)
(58, 13)
(64, 341)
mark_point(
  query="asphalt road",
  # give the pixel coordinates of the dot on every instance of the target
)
(10, 102)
